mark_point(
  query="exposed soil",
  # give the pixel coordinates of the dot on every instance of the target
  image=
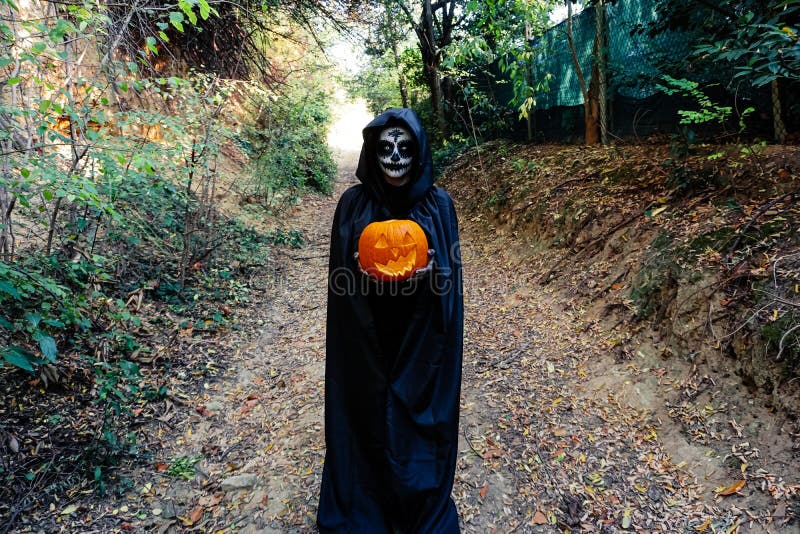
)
(560, 427)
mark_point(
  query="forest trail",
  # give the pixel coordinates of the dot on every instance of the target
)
(554, 434)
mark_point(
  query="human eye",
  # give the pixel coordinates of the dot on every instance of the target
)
(384, 148)
(406, 148)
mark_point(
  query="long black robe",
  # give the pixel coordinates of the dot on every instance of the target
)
(393, 361)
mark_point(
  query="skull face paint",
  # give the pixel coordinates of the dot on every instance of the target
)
(396, 151)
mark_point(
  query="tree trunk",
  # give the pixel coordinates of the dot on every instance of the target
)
(7, 201)
(777, 120)
(401, 77)
(430, 60)
(591, 102)
(591, 110)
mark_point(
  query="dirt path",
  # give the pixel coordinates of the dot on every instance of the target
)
(555, 434)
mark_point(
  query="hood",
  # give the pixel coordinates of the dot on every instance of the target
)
(396, 199)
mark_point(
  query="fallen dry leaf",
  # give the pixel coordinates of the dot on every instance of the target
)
(208, 501)
(704, 526)
(733, 488)
(539, 518)
(196, 514)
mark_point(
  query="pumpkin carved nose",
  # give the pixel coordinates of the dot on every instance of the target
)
(395, 251)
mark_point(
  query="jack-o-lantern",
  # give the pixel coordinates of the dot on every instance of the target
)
(392, 250)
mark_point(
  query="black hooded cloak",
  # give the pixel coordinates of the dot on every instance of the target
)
(393, 359)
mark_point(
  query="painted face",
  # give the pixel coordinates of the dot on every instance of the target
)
(396, 151)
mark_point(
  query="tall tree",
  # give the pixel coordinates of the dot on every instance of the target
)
(434, 28)
(387, 39)
(591, 92)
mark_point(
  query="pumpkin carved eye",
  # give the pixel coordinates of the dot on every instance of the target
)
(392, 250)
(382, 243)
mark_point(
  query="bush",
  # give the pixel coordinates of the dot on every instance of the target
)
(289, 146)
(448, 152)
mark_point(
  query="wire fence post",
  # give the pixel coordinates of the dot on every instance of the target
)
(602, 40)
(777, 120)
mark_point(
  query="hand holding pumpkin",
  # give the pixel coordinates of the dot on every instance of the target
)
(416, 275)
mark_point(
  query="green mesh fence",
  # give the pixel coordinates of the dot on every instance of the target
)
(554, 65)
(636, 64)
(632, 55)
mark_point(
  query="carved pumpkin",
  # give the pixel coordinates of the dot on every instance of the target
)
(392, 250)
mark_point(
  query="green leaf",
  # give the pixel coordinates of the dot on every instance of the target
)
(176, 19)
(151, 44)
(187, 9)
(62, 28)
(33, 319)
(18, 357)
(205, 9)
(44, 105)
(10, 290)
(47, 345)
(38, 48)
(14, 81)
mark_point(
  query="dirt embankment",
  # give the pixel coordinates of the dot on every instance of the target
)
(689, 258)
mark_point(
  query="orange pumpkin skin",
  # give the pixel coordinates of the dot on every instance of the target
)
(392, 250)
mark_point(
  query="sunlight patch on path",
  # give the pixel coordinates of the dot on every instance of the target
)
(349, 119)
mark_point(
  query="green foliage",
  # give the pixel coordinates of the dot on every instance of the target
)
(183, 467)
(36, 309)
(764, 46)
(112, 182)
(377, 81)
(292, 238)
(449, 150)
(524, 165)
(501, 32)
(708, 111)
(782, 336)
(376, 86)
(289, 145)
(683, 143)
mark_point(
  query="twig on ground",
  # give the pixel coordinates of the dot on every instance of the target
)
(755, 217)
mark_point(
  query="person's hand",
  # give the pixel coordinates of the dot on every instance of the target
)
(358, 264)
(424, 271)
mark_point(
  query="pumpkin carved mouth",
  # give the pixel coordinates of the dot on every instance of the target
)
(400, 267)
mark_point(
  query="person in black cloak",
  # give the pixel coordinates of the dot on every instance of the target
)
(393, 350)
